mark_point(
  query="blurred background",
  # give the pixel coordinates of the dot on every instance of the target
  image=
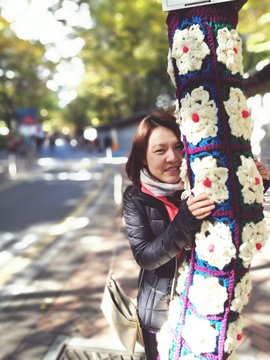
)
(76, 77)
(67, 65)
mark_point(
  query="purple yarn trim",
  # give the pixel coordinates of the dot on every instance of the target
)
(172, 24)
(235, 147)
(206, 356)
(221, 213)
(179, 337)
(218, 273)
(237, 235)
(222, 337)
(199, 149)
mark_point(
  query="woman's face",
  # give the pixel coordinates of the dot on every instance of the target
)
(164, 155)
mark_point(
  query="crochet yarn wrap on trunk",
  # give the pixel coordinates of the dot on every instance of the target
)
(205, 65)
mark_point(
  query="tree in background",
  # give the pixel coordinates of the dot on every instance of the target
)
(255, 30)
(125, 69)
(124, 59)
(23, 75)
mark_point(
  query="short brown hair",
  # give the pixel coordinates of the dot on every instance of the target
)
(137, 156)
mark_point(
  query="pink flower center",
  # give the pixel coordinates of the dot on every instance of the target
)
(245, 114)
(258, 246)
(211, 248)
(239, 337)
(257, 181)
(195, 117)
(235, 50)
(207, 183)
(185, 49)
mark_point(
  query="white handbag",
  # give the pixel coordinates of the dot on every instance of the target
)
(120, 311)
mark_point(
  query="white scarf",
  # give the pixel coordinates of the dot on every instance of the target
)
(157, 187)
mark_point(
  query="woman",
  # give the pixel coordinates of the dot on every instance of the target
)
(159, 224)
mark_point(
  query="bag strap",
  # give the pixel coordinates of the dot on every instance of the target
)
(112, 262)
(174, 279)
(112, 265)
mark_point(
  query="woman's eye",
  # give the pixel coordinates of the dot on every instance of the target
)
(159, 151)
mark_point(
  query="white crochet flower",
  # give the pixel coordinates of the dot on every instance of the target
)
(181, 281)
(164, 341)
(170, 69)
(229, 50)
(175, 310)
(177, 114)
(184, 174)
(189, 49)
(166, 335)
(210, 179)
(214, 244)
(200, 335)
(232, 356)
(251, 181)
(239, 117)
(188, 357)
(234, 335)
(207, 295)
(241, 293)
(254, 237)
(198, 116)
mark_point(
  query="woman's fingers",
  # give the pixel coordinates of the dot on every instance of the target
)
(203, 211)
(263, 170)
(194, 199)
(200, 206)
(200, 217)
(196, 202)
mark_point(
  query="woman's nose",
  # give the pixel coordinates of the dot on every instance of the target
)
(171, 155)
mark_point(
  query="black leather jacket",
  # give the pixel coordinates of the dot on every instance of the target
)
(155, 242)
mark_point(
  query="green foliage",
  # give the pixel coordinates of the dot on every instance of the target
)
(254, 21)
(125, 57)
(21, 83)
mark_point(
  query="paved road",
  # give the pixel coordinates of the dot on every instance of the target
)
(54, 219)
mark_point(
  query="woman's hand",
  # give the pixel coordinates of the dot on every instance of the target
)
(200, 206)
(262, 168)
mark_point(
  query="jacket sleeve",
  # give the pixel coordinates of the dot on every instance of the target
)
(151, 251)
